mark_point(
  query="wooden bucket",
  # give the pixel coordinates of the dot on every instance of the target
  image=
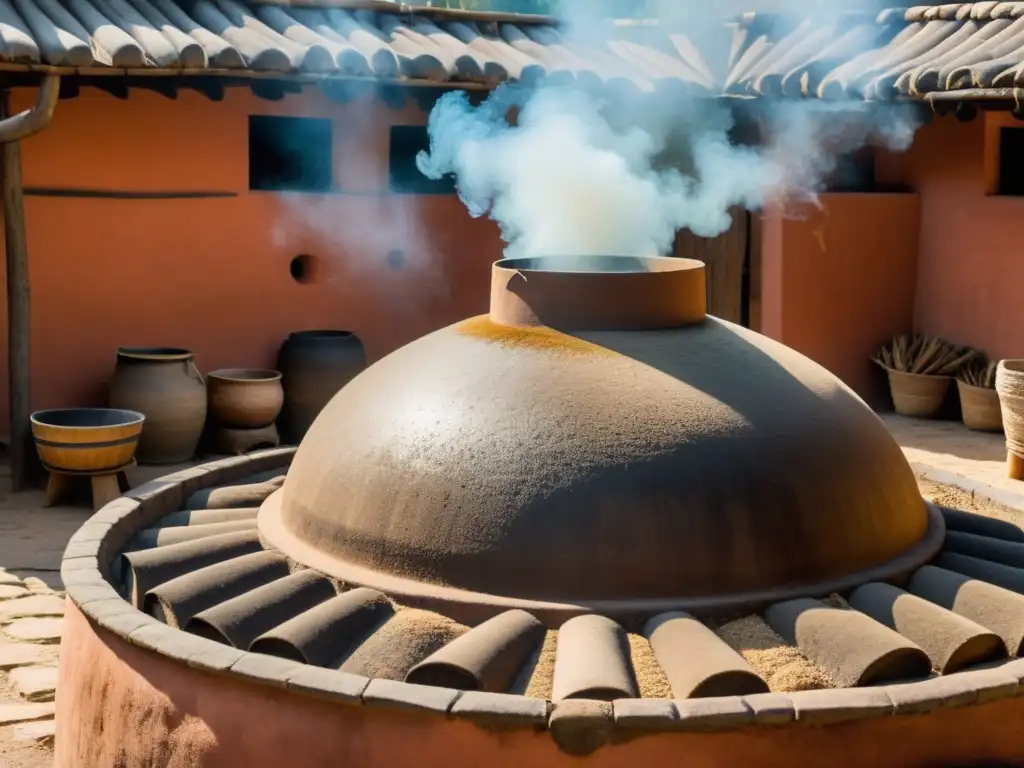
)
(980, 407)
(86, 440)
(916, 395)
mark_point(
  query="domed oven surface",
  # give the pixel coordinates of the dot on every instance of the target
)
(597, 440)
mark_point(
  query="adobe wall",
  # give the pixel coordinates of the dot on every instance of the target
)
(212, 274)
(839, 280)
(944, 259)
(971, 267)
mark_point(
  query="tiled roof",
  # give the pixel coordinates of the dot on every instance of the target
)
(227, 36)
(908, 52)
(903, 52)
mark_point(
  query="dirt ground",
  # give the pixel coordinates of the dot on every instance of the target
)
(25, 756)
(31, 753)
(958, 498)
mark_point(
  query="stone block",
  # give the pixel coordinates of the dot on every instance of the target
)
(35, 683)
(927, 695)
(19, 654)
(34, 605)
(38, 732)
(827, 707)
(714, 714)
(45, 630)
(409, 696)
(329, 684)
(270, 670)
(645, 714)
(22, 713)
(501, 710)
(8, 591)
(771, 708)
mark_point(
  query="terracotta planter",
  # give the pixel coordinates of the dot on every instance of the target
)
(915, 395)
(1010, 388)
(164, 385)
(315, 365)
(980, 407)
(244, 398)
(86, 439)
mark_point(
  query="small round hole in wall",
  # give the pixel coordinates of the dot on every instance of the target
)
(396, 258)
(303, 268)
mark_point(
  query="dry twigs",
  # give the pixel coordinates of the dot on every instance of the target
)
(979, 372)
(924, 355)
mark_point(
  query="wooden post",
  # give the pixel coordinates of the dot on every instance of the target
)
(18, 309)
(14, 128)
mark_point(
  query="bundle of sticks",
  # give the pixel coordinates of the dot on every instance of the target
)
(979, 373)
(926, 355)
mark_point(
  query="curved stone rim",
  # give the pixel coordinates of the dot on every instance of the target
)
(464, 604)
(86, 571)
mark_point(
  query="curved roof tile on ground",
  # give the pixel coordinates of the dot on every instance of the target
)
(901, 52)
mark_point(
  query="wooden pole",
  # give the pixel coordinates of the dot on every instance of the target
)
(14, 128)
(18, 310)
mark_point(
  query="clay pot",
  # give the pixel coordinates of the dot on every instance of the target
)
(245, 398)
(315, 365)
(916, 395)
(164, 385)
(86, 440)
(980, 407)
(1010, 388)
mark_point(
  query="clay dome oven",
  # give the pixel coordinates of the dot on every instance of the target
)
(598, 442)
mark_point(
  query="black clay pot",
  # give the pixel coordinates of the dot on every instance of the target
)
(314, 365)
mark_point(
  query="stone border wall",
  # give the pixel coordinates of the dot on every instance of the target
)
(579, 726)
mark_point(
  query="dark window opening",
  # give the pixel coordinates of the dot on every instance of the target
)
(853, 172)
(1011, 162)
(289, 154)
(404, 177)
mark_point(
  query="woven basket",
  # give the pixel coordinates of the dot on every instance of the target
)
(1010, 386)
(916, 395)
(980, 408)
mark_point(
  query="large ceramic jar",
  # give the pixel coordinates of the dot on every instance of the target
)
(165, 385)
(315, 365)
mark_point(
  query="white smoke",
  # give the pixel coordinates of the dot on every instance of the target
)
(373, 237)
(583, 171)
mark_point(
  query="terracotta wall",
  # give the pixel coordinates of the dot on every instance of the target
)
(944, 260)
(213, 275)
(971, 263)
(839, 280)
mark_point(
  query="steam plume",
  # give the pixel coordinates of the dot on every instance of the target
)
(601, 172)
